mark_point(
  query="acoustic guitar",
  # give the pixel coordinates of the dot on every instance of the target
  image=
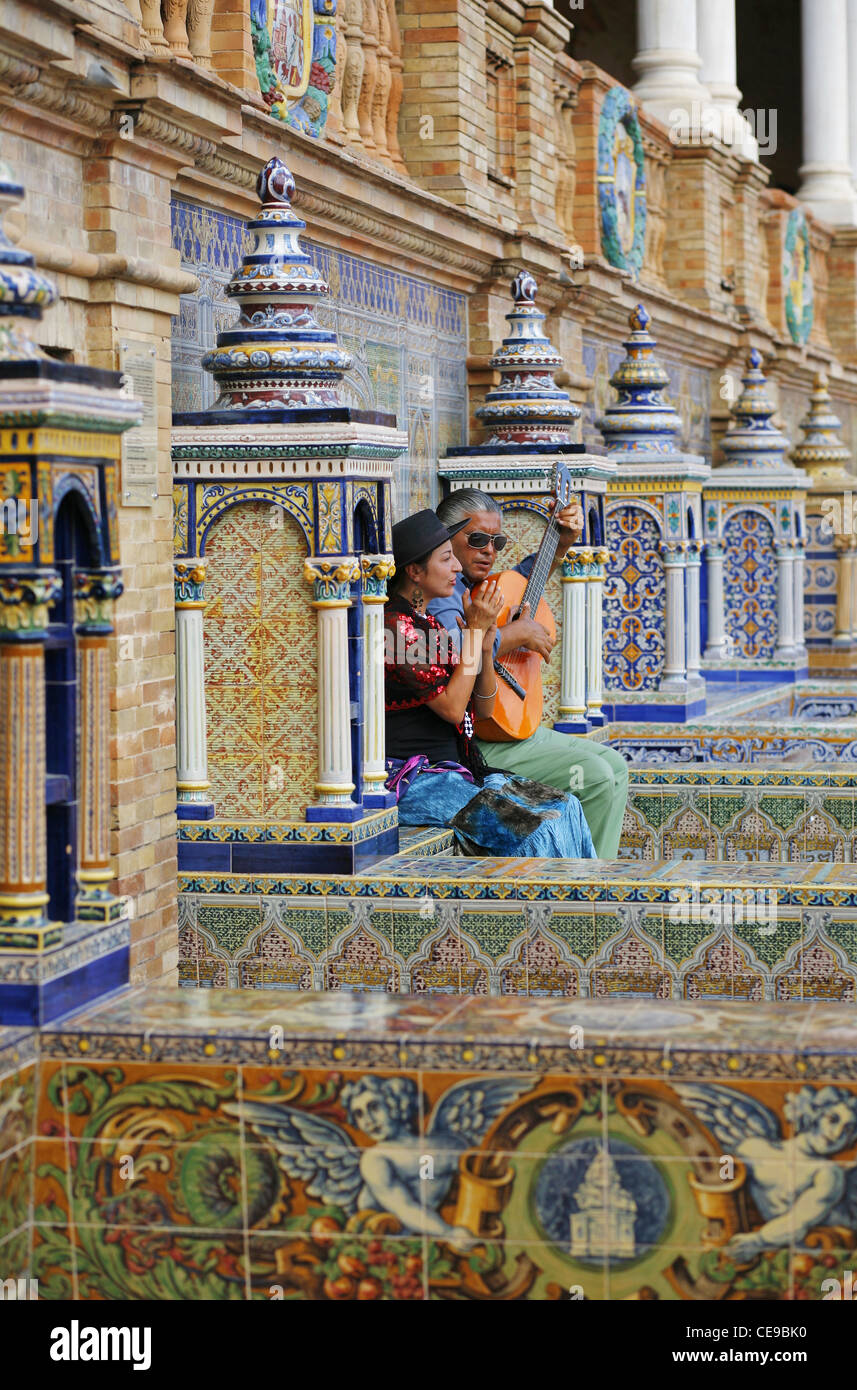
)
(519, 699)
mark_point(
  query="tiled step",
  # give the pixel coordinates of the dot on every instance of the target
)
(718, 812)
(605, 929)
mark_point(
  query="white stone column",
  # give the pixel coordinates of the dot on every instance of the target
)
(376, 571)
(785, 601)
(715, 24)
(692, 603)
(194, 798)
(675, 670)
(572, 694)
(715, 648)
(668, 62)
(852, 88)
(799, 578)
(826, 182)
(331, 581)
(595, 636)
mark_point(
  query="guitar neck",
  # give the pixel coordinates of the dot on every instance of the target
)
(540, 573)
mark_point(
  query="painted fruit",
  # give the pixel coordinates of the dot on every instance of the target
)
(323, 1229)
(414, 1264)
(349, 1264)
(340, 1288)
(369, 1288)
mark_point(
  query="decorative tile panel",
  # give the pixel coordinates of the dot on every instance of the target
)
(634, 601)
(750, 584)
(260, 666)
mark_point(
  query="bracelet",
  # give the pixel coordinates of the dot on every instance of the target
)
(489, 695)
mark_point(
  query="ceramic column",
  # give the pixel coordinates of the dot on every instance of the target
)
(24, 603)
(825, 173)
(799, 579)
(572, 694)
(844, 547)
(692, 602)
(331, 581)
(716, 645)
(376, 571)
(668, 62)
(194, 798)
(715, 23)
(853, 610)
(675, 669)
(852, 88)
(595, 636)
(785, 600)
(95, 593)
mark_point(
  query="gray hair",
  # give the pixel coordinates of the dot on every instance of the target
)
(463, 503)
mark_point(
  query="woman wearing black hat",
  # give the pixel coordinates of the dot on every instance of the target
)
(433, 763)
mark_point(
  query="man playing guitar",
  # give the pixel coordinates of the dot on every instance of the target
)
(597, 775)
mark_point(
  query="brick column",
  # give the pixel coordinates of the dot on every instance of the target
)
(127, 192)
(232, 45)
(443, 123)
(543, 35)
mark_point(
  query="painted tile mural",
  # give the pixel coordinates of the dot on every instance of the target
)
(260, 666)
(407, 336)
(688, 391)
(557, 1172)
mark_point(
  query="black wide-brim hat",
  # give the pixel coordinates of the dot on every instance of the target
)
(420, 534)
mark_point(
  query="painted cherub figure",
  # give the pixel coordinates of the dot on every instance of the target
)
(793, 1183)
(403, 1172)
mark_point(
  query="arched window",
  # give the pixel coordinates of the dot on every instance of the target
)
(75, 549)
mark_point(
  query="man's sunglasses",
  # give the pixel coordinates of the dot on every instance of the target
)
(479, 540)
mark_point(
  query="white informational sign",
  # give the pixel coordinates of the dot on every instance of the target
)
(137, 363)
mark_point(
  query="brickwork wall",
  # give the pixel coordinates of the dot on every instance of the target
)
(127, 210)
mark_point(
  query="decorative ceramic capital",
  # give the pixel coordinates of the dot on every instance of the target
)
(784, 549)
(376, 569)
(95, 592)
(694, 551)
(714, 550)
(576, 565)
(24, 603)
(189, 583)
(674, 552)
(332, 579)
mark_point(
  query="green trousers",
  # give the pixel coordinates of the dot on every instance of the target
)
(598, 776)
